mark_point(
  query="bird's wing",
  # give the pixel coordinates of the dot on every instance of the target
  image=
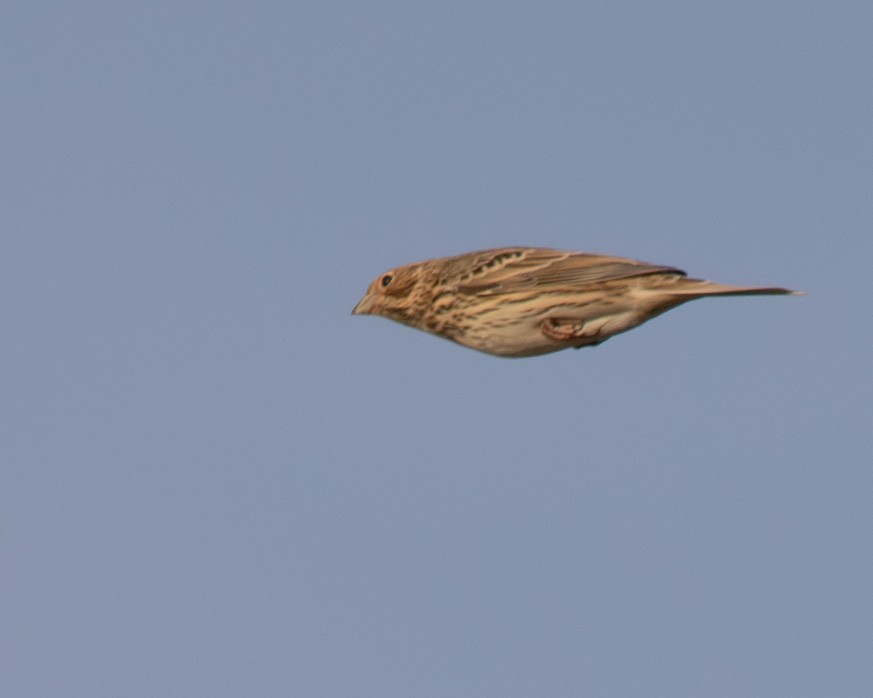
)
(525, 268)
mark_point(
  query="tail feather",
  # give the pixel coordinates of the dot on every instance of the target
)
(698, 289)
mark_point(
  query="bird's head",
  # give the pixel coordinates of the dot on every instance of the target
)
(392, 295)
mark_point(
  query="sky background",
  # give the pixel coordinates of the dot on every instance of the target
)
(216, 481)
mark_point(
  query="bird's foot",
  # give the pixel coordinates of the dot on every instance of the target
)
(569, 330)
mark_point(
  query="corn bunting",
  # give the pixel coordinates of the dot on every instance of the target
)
(525, 301)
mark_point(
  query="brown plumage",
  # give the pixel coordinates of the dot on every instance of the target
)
(524, 301)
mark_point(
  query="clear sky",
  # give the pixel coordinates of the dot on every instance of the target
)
(216, 481)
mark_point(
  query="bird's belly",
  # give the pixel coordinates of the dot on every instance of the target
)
(513, 340)
(526, 338)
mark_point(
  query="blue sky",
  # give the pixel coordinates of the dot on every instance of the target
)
(216, 481)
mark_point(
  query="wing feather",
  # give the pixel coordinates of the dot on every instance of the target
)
(516, 269)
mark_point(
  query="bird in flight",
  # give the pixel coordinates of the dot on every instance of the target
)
(526, 301)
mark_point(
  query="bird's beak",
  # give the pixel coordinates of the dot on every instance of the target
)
(364, 306)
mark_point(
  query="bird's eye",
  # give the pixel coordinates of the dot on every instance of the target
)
(387, 279)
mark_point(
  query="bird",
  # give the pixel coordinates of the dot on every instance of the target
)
(526, 301)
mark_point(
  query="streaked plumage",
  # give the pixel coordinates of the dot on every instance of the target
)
(524, 301)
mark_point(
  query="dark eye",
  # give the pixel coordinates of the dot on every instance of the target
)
(387, 279)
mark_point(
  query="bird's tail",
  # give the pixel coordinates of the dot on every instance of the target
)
(694, 288)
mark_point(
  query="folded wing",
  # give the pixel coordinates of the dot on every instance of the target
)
(516, 269)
